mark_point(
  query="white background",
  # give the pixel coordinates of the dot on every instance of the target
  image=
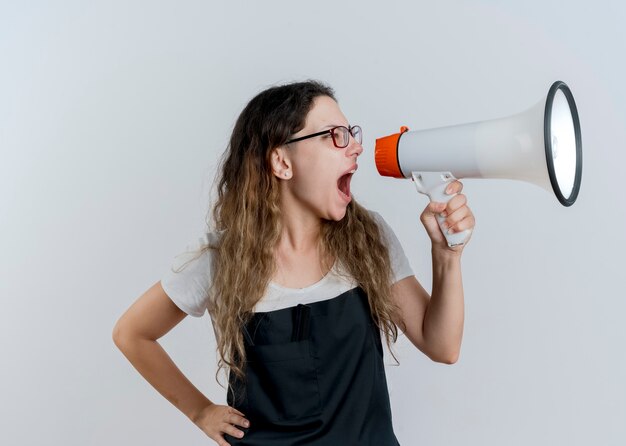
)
(112, 118)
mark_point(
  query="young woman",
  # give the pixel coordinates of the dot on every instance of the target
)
(299, 281)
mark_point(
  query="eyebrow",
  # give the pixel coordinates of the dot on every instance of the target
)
(330, 126)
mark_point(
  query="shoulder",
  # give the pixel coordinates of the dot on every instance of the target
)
(378, 218)
(197, 258)
(399, 261)
(372, 213)
(381, 222)
(188, 279)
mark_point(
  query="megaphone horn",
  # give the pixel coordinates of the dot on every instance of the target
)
(541, 145)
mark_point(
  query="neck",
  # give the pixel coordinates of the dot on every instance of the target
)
(300, 237)
(300, 232)
(300, 227)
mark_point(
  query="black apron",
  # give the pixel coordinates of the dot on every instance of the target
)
(315, 376)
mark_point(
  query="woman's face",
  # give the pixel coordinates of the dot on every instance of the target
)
(315, 165)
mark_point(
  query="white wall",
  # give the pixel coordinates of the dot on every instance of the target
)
(112, 118)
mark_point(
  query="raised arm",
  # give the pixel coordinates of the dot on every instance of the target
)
(435, 324)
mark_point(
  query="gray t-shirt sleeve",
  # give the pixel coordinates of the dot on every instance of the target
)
(188, 279)
(399, 262)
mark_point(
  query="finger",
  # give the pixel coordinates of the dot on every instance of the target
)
(454, 187)
(467, 223)
(231, 430)
(455, 203)
(430, 211)
(237, 417)
(461, 214)
(464, 225)
(233, 410)
(456, 217)
(435, 207)
(219, 439)
(238, 420)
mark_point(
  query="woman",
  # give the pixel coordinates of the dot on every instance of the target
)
(299, 281)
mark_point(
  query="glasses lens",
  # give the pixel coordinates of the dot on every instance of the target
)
(341, 136)
(357, 134)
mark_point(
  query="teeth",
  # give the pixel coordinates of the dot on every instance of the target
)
(352, 171)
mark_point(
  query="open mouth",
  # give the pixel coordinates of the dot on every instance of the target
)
(343, 184)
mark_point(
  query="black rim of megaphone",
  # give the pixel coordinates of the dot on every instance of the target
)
(547, 133)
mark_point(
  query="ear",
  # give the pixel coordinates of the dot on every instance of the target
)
(281, 164)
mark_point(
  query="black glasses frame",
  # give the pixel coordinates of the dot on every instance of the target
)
(332, 133)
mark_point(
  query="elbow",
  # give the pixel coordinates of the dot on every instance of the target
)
(118, 336)
(449, 359)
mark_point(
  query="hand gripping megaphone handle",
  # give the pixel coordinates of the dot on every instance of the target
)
(434, 185)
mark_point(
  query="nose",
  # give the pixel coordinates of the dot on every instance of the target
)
(354, 148)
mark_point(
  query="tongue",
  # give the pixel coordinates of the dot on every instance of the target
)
(344, 184)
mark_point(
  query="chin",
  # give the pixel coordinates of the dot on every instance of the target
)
(338, 215)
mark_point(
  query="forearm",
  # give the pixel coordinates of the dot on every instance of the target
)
(443, 321)
(155, 365)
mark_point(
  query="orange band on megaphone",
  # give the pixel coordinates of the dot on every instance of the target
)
(386, 154)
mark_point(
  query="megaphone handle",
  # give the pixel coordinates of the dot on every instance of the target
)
(434, 185)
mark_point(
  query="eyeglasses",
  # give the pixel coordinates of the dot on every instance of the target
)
(340, 135)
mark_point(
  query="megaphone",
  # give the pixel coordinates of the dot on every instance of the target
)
(541, 145)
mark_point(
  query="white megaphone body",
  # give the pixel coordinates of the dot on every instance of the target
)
(541, 145)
